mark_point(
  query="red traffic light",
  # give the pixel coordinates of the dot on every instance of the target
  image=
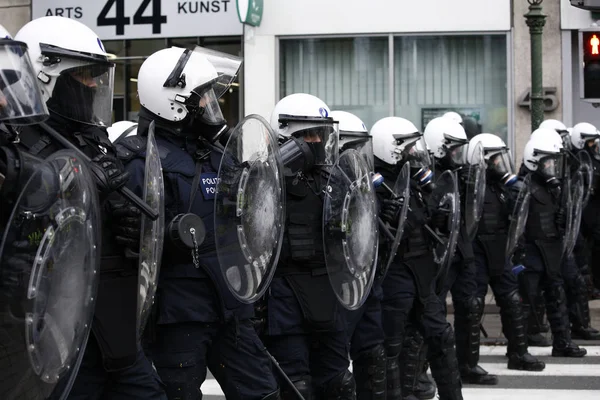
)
(591, 46)
(594, 43)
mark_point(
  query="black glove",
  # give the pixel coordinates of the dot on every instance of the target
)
(126, 226)
(519, 255)
(16, 268)
(230, 178)
(560, 219)
(390, 209)
(109, 172)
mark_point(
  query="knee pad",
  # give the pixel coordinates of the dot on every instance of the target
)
(471, 310)
(393, 347)
(510, 300)
(342, 387)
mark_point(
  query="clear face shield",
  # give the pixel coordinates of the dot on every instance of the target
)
(85, 94)
(594, 148)
(550, 166)
(321, 135)
(456, 150)
(414, 150)
(227, 67)
(359, 141)
(21, 101)
(500, 166)
(566, 138)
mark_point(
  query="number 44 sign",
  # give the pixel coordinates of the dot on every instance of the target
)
(140, 19)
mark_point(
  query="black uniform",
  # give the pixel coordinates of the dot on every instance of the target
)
(305, 326)
(409, 292)
(543, 262)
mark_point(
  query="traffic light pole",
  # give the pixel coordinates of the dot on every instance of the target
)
(536, 21)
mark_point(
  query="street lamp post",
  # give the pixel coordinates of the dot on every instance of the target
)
(536, 21)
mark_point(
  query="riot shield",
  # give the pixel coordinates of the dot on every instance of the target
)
(587, 172)
(576, 197)
(445, 198)
(567, 207)
(350, 235)
(152, 232)
(49, 260)
(250, 209)
(402, 190)
(518, 218)
(474, 191)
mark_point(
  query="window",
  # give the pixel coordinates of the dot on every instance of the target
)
(349, 74)
(431, 75)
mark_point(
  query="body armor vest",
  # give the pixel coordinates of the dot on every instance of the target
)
(543, 207)
(496, 213)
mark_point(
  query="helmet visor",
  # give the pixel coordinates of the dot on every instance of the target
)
(500, 164)
(361, 142)
(416, 153)
(227, 67)
(594, 148)
(85, 94)
(323, 141)
(208, 105)
(21, 101)
(551, 165)
(456, 150)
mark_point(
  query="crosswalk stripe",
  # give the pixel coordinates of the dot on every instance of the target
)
(210, 387)
(592, 351)
(550, 370)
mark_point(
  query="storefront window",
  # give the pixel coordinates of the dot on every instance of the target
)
(466, 74)
(348, 74)
(129, 56)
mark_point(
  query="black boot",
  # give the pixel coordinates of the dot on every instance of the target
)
(556, 306)
(467, 319)
(394, 384)
(444, 366)
(425, 389)
(535, 326)
(411, 367)
(579, 311)
(513, 327)
(369, 370)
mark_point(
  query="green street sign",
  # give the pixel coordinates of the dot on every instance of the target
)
(250, 11)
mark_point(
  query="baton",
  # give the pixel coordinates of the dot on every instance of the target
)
(283, 374)
(124, 191)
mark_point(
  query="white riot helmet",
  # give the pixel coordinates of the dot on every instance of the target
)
(447, 140)
(500, 166)
(397, 140)
(454, 116)
(354, 135)
(72, 68)
(586, 136)
(303, 116)
(182, 86)
(560, 128)
(120, 130)
(544, 157)
(20, 97)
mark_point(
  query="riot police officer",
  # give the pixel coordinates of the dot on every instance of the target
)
(584, 138)
(75, 76)
(198, 323)
(448, 141)
(305, 323)
(544, 235)
(409, 285)
(493, 269)
(364, 328)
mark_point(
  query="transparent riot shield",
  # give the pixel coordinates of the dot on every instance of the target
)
(518, 218)
(587, 171)
(577, 197)
(152, 232)
(474, 191)
(402, 190)
(445, 198)
(567, 206)
(49, 260)
(350, 235)
(250, 209)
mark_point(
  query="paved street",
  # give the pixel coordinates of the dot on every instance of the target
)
(563, 378)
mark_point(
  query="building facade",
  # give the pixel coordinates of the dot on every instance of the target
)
(383, 57)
